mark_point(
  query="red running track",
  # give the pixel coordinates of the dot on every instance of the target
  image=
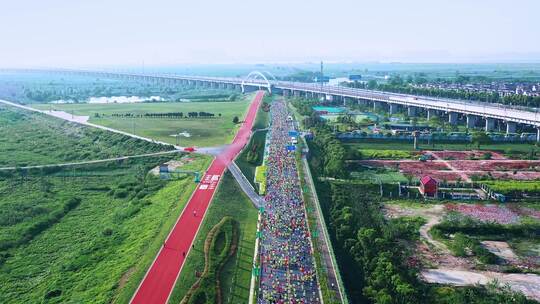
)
(160, 279)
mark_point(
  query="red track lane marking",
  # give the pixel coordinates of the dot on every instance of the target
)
(159, 281)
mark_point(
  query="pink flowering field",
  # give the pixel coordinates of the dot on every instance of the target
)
(486, 213)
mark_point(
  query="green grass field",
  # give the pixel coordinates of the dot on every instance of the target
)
(95, 252)
(258, 139)
(228, 201)
(204, 132)
(376, 176)
(33, 139)
(263, 114)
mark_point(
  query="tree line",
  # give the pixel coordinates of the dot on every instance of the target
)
(162, 115)
(399, 86)
(377, 253)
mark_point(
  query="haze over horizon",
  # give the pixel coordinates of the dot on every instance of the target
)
(123, 33)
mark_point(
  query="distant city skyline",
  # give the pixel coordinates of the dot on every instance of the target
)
(163, 32)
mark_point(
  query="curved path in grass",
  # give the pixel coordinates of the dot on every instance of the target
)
(160, 279)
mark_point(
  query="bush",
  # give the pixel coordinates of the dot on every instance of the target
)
(220, 244)
(52, 294)
(107, 232)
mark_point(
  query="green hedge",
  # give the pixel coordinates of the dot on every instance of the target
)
(221, 244)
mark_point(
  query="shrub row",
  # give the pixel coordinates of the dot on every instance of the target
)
(221, 244)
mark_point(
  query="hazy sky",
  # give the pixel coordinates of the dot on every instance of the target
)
(127, 32)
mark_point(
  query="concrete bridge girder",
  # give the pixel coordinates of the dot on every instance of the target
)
(501, 119)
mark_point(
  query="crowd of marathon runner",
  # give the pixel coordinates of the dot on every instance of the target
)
(287, 267)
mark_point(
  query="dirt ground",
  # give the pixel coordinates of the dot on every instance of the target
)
(68, 116)
(172, 164)
(461, 155)
(452, 170)
(501, 249)
(430, 251)
(444, 268)
(528, 284)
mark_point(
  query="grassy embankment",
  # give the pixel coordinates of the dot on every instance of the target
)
(87, 233)
(85, 238)
(35, 139)
(203, 132)
(228, 201)
(252, 156)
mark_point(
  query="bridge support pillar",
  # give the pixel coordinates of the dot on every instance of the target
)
(347, 100)
(230, 86)
(285, 93)
(471, 121)
(393, 108)
(296, 93)
(329, 97)
(490, 124)
(510, 127)
(431, 113)
(377, 105)
(452, 118)
(411, 111)
(238, 87)
(537, 134)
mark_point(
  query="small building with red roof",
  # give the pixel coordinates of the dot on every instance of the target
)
(428, 186)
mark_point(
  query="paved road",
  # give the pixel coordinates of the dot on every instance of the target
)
(245, 185)
(325, 246)
(160, 279)
(288, 273)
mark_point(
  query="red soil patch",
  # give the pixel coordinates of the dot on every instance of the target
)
(461, 155)
(495, 165)
(439, 170)
(486, 213)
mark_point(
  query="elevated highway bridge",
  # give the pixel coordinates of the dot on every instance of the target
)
(473, 112)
